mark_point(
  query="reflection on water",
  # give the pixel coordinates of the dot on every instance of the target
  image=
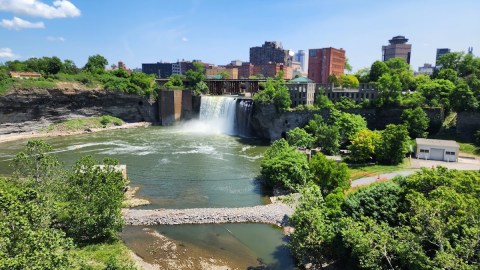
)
(179, 169)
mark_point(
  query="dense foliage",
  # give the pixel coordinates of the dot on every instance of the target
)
(46, 210)
(300, 138)
(416, 121)
(328, 174)
(274, 92)
(429, 220)
(362, 147)
(393, 145)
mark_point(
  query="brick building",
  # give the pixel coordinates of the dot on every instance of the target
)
(325, 62)
(398, 47)
(270, 52)
(231, 72)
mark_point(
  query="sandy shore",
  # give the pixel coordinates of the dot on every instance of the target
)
(44, 134)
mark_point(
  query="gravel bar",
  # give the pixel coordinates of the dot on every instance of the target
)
(277, 214)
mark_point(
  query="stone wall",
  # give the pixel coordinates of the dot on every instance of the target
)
(25, 110)
(467, 124)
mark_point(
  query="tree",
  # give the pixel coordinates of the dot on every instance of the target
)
(274, 92)
(322, 101)
(284, 166)
(174, 81)
(328, 174)
(416, 121)
(363, 75)
(393, 145)
(377, 69)
(313, 238)
(224, 75)
(463, 99)
(450, 60)
(27, 240)
(195, 75)
(437, 92)
(362, 147)
(93, 201)
(348, 67)
(69, 67)
(328, 138)
(300, 138)
(390, 89)
(345, 103)
(448, 74)
(96, 64)
(348, 123)
(144, 81)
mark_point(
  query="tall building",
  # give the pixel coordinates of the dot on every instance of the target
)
(300, 57)
(325, 62)
(161, 70)
(441, 52)
(398, 48)
(271, 52)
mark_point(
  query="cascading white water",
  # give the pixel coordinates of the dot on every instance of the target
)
(219, 113)
(222, 115)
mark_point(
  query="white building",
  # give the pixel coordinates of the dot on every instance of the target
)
(442, 150)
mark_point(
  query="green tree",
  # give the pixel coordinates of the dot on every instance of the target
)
(463, 99)
(195, 75)
(275, 92)
(96, 64)
(93, 201)
(27, 241)
(144, 81)
(416, 121)
(450, 60)
(224, 75)
(345, 103)
(174, 81)
(328, 138)
(437, 92)
(53, 66)
(321, 100)
(448, 74)
(348, 123)
(348, 67)
(377, 69)
(413, 100)
(393, 145)
(390, 90)
(69, 67)
(300, 138)
(363, 75)
(284, 166)
(328, 174)
(420, 79)
(362, 147)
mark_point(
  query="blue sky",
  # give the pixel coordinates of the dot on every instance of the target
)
(218, 31)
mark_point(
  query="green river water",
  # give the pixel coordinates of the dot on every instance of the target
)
(176, 167)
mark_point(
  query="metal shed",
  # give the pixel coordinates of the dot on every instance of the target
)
(443, 150)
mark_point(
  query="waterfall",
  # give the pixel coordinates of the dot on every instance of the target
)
(227, 115)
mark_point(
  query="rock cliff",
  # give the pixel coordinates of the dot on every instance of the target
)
(30, 109)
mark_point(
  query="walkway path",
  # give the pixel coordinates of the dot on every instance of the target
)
(276, 213)
(369, 180)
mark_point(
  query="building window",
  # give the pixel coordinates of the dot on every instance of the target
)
(450, 153)
(424, 151)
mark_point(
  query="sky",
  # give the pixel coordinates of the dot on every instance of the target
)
(219, 31)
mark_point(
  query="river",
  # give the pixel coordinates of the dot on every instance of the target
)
(185, 167)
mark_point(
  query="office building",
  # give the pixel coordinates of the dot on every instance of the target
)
(398, 47)
(441, 52)
(271, 52)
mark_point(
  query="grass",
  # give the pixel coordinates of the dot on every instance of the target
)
(367, 170)
(97, 256)
(85, 123)
(470, 148)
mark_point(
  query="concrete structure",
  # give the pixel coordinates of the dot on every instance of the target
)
(325, 62)
(25, 75)
(270, 52)
(426, 69)
(364, 91)
(174, 106)
(302, 91)
(443, 150)
(398, 48)
(441, 52)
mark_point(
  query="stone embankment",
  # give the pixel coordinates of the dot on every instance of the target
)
(276, 214)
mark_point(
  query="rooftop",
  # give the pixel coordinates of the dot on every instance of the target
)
(301, 80)
(433, 142)
(398, 40)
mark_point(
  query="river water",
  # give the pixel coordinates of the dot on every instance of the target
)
(182, 167)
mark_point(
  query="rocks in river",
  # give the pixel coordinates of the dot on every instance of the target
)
(276, 214)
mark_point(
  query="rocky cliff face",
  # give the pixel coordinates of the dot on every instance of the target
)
(30, 109)
(268, 124)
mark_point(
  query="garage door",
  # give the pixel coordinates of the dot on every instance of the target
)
(436, 154)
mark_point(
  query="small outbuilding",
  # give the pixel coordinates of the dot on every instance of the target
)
(443, 150)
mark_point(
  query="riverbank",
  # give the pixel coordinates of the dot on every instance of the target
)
(44, 134)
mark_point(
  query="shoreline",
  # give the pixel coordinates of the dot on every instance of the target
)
(43, 134)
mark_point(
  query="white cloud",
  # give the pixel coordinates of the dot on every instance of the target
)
(36, 8)
(18, 24)
(50, 38)
(184, 39)
(7, 53)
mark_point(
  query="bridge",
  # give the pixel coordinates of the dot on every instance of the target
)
(228, 87)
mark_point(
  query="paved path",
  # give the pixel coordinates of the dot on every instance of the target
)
(271, 214)
(368, 180)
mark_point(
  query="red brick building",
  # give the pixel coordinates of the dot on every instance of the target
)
(325, 62)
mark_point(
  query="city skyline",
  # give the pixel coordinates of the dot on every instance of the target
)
(216, 32)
